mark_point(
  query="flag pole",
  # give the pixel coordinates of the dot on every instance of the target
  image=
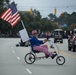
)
(25, 31)
(22, 24)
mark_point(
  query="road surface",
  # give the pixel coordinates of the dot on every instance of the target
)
(12, 60)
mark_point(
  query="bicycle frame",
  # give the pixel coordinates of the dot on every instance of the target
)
(55, 45)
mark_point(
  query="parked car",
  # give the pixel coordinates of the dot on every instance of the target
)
(72, 42)
(74, 32)
(58, 35)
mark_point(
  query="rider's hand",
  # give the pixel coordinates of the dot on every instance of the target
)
(45, 40)
(51, 46)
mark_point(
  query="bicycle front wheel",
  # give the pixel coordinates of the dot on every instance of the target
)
(60, 60)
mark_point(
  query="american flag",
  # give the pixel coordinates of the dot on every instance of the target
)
(11, 15)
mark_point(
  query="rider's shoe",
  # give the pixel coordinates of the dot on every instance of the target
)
(53, 56)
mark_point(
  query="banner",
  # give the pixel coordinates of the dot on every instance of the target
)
(24, 35)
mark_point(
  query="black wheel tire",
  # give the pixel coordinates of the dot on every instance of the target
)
(54, 41)
(17, 45)
(58, 59)
(61, 41)
(31, 56)
(73, 48)
(69, 48)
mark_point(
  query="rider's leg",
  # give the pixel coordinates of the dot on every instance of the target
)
(43, 48)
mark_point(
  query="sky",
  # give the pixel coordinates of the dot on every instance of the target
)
(45, 7)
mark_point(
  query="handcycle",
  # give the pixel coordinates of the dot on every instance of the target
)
(31, 57)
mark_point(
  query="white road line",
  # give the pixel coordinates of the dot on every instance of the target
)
(18, 58)
(28, 71)
(13, 51)
(11, 47)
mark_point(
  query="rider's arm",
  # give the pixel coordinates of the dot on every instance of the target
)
(36, 41)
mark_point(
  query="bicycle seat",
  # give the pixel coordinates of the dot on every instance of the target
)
(34, 50)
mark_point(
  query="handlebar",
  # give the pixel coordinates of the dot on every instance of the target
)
(50, 41)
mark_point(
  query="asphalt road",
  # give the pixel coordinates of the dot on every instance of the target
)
(12, 60)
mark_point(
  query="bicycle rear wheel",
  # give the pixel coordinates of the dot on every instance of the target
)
(60, 60)
(29, 58)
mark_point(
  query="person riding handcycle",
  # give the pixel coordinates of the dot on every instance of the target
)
(39, 45)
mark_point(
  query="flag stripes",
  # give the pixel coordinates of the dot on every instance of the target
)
(4, 15)
(11, 15)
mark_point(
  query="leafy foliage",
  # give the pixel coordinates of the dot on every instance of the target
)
(35, 21)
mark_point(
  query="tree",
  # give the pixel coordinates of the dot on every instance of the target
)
(47, 25)
(36, 15)
(73, 26)
(52, 17)
(64, 18)
(73, 17)
(4, 26)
